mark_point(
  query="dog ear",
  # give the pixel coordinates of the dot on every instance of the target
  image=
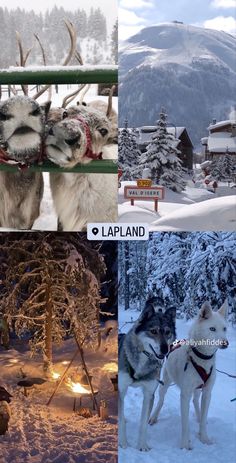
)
(224, 309)
(145, 315)
(171, 313)
(205, 311)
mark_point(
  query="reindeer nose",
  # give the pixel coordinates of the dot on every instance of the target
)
(72, 141)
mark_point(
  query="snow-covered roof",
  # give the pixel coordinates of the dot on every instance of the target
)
(220, 142)
(220, 124)
(204, 140)
(146, 132)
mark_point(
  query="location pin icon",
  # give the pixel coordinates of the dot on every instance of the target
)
(95, 231)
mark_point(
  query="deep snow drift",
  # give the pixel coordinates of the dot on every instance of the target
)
(195, 209)
(164, 437)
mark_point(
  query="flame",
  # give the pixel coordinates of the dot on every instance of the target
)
(77, 387)
(55, 375)
(111, 367)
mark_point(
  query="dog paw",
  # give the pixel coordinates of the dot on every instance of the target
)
(205, 439)
(187, 445)
(123, 444)
(144, 448)
(152, 420)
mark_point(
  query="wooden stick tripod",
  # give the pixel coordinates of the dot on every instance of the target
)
(78, 351)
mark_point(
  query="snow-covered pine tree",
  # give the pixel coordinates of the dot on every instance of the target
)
(210, 273)
(161, 157)
(223, 167)
(114, 43)
(52, 289)
(128, 151)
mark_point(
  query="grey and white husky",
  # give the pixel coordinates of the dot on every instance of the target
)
(141, 354)
(192, 367)
(21, 132)
(78, 135)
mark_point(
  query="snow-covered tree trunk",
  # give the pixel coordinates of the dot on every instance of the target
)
(48, 327)
(127, 292)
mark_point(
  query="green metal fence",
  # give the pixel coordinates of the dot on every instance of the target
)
(59, 75)
(94, 167)
(63, 75)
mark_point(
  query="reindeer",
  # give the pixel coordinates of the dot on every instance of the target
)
(78, 135)
(22, 124)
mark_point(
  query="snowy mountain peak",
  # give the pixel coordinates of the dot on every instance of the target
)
(183, 44)
(188, 69)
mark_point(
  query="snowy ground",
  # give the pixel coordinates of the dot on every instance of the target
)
(193, 209)
(164, 436)
(56, 434)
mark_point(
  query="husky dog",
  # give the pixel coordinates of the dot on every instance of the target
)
(141, 354)
(192, 367)
(21, 132)
(78, 135)
(5, 411)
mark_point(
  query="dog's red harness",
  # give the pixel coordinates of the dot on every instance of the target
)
(202, 372)
(89, 152)
(199, 369)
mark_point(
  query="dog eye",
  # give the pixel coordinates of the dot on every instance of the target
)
(5, 117)
(36, 112)
(224, 329)
(167, 332)
(64, 115)
(103, 132)
(212, 328)
(154, 331)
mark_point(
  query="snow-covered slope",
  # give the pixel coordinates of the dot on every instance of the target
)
(214, 214)
(189, 69)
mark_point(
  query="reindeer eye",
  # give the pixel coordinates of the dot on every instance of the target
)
(103, 132)
(154, 331)
(212, 328)
(36, 112)
(64, 115)
(5, 117)
(224, 329)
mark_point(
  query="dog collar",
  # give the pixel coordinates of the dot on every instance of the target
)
(200, 355)
(89, 152)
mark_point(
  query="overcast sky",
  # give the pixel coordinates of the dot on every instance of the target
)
(109, 7)
(215, 14)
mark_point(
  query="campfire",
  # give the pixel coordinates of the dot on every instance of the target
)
(55, 375)
(77, 388)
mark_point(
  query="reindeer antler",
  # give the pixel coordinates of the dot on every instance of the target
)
(69, 98)
(23, 58)
(109, 106)
(72, 51)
